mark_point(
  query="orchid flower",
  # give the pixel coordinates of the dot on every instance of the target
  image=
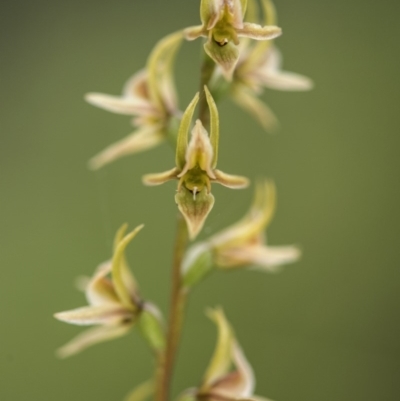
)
(114, 303)
(229, 376)
(222, 25)
(259, 67)
(195, 168)
(149, 96)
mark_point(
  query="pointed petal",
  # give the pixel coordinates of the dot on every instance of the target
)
(160, 63)
(258, 32)
(194, 209)
(221, 359)
(268, 258)
(89, 315)
(225, 56)
(141, 392)
(238, 10)
(259, 110)
(91, 337)
(199, 151)
(121, 288)
(139, 141)
(231, 181)
(160, 178)
(181, 144)
(100, 290)
(194, 32)
(214, 126)
(120, 105)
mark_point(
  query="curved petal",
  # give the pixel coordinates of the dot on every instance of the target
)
(160, 178)
(214, 126)
(221, 359)
(182, 141)
(89, 315)
(91, 337)
(120, 105)
(121, 288)
(269, 257)
(240, 383)
(259, 110)
(143, 139)
(231, 181)
(258, 32)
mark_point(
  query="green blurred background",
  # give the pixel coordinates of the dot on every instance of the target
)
(325, 328)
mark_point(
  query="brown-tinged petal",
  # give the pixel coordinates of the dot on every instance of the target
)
(136, 86)
(89, 315)
(221, 359)
(99, 290)
(230, 181)
(140, 140)
(141, 392)
(258, 32)
(259, 110)
(126, 298)
(182, 141)
(240, 383)
(91, 337)
(120, 105)
(194, 208)
(160, 178)
(225, 56)
(199, 151)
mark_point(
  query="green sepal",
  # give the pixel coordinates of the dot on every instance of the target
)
(194, 208)
(197, 265)
(151, 327)
(182, 141)
(214, 126)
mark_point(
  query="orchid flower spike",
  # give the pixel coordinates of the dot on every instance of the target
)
(149, 96)
(222, 25)
(114, 303)
(259, 67)
(229, 376)
(195, 168)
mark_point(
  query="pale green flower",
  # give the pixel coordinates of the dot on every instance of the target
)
(222, 25)
(195, 168)
(149, 96)
(242, 244)
(114, 303)
(259, 67)
(229, 376)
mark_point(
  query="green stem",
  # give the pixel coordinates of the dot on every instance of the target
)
(178, 302)
(207, 70)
